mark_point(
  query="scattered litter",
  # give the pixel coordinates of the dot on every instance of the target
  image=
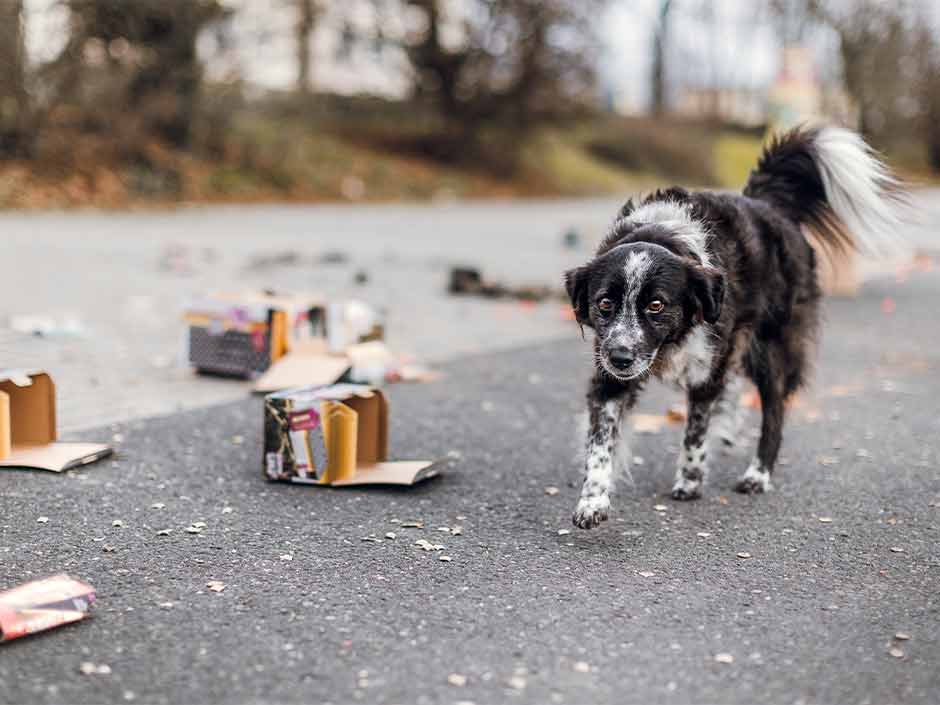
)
(582, 667)
(703, 534)
(165, 605)
(107, 549)
(457, 679)
(888, 305)
(90, 669)
(164, 532)
(361, 277)
(827, 460)
(551, 490)
(675, 415)
(391, 535)
(647, 423)
(724, 658)
(286, 557)
(646, 573)
(42, 520)
(157, 505)
(238, 440)
(371, 538)
(517, 683)
(743, 554)
(412, 524)
(215, 585)
(428, 546)
(468, 281)
(862, 453)
(825, 520)
(896, 549)
(117, 523)
(722, 499)
(452, 530)
(902, 636)
(446, 559)
(45, 326)
(896, 652)
(660, 507)
(564, 532)
(227, 510)
(43, 604)
(193, 530)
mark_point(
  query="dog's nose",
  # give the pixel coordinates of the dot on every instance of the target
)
(620, 358)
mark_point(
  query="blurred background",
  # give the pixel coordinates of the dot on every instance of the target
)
(121, 102)
(152, 151)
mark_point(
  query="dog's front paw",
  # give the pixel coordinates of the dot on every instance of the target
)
(591, 511)
(754, 481)
(685, 489)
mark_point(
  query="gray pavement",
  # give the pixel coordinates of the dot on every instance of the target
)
(844, 554)
(125, 277)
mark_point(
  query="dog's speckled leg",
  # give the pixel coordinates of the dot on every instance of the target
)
(692, 466)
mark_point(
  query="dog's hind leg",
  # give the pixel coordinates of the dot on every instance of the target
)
(728, 416)
(769, 374)
(606, 406)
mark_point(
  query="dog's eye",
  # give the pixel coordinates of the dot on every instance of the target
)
(605, 305)
(655, 306)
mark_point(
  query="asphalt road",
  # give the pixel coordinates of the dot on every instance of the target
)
(844, 554)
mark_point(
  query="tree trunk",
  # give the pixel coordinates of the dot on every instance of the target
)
(305, 24)
(658, 80)
(13, 96)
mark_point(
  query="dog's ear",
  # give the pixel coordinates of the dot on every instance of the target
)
(576, 282)
(708, 286)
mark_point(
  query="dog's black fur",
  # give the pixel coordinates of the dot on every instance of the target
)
(701, 287)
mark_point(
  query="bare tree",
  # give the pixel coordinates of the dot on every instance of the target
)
(306, 20)
(660, 40)
(13, 95)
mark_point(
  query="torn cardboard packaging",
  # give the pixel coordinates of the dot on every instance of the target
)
(283, 341)
(43, 604)
(28, 426)
(333, 435)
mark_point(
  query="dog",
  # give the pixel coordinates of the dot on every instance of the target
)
(706, 290)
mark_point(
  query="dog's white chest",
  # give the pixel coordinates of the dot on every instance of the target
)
(691, 364)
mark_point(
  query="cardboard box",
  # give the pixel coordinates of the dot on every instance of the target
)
(43, 604)
(283, 341)
(333, 435)
(28, 426)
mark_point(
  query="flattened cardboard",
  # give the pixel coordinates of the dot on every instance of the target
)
(305, 365)
(43, 604)
(28, 426)
(350, 422)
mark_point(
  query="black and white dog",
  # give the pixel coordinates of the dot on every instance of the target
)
(705, 289)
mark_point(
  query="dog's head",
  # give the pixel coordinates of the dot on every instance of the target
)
(638, 297)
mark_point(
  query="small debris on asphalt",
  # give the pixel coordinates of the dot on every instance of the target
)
(165, 605)
(42, 520)
(564, 532)
(724, 658)
(91, 669)
(827, 460)
(193, 530)
(551, 490)
(286, 557)
(517, 683)
(896, 652)
(457, 679)
(157, 505)
(371, 538)
(825, 520)
(896, 549)
(215, 585)
(391, 535)
(582, 667)
(164, 532)
(646, 573)
(238, 440)
(107, 549)
(660, 507)
(902, 636)
(743, 554)
(117, 523)
(412, 524)
(703, 534)
(428, 546)
(227, 510)
(446, 559)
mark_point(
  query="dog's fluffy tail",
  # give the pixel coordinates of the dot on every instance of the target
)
(830, 180)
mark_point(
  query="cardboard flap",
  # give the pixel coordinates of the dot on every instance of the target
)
(31, 407)
(55, 457)
(404, 472)
(298, 369)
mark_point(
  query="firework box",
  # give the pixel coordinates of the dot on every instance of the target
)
(333, 435)
(43, 604)
(28, 426)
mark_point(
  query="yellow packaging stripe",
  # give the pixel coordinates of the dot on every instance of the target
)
(6, 427)
(340, 430)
